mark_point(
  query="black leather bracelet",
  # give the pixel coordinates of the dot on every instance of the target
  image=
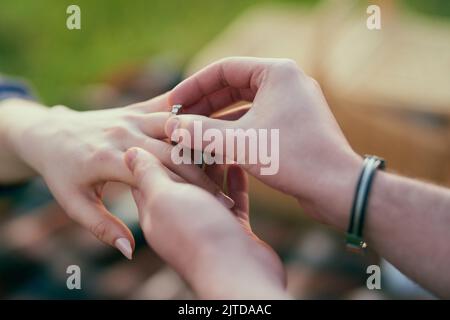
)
(354, 239)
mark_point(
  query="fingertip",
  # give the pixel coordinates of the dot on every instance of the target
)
(124, 246)
(95, 217)
(136, 156)
(225, 200)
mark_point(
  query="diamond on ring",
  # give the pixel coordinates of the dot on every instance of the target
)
(176, 109)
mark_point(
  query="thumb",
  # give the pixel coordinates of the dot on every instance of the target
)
(149, 174)
(151, 181)
(197, 132)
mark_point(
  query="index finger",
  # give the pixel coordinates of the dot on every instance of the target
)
(241, 73)
(155, 104)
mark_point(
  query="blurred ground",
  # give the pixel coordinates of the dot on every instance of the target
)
(130, 51)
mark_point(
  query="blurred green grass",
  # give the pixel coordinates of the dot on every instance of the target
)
(439, 8)
(35, 44)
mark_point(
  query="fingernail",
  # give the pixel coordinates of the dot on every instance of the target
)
(130, 156)
(225, 200)
(171, 126)
(124, 246)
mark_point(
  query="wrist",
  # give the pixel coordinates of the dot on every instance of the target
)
(13, 112)
(237, 269)
(331, 194)
(17, 117)
(380, 198)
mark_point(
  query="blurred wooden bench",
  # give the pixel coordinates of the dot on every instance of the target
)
(389, 89)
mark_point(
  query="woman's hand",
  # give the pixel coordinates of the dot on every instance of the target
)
(78, 152)
(315, 159)
(213, 248)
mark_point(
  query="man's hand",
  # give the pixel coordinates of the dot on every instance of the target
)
(407, 222)
(316, 160)
(213, 248)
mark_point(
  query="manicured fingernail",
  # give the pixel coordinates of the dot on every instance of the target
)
(171, 126)
(130, 156)
(225, 200)
(124, 246)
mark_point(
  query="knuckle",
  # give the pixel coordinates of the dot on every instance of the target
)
(102, 155)
(133, 117)
(226, 60)
(99, 229)
(287, 68)
(117, 132)
(289, 63)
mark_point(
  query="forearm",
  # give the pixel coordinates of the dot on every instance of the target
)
(15, 116)
(242, 270)
(212, 253)
(408, 223)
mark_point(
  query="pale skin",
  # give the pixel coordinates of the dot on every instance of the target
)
(78, 152)
(408, 221)
(214, 250)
